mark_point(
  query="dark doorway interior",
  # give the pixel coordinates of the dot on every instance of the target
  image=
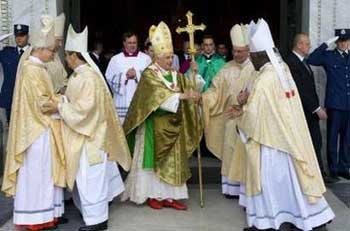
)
(108, 19)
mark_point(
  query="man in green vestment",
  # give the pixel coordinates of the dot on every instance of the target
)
(162, 130)
(209, 62)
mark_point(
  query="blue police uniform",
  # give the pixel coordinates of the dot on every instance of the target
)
(337, 101)
(9, 58)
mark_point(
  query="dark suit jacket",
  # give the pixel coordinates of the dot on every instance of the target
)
(306, 86)
(99, 64)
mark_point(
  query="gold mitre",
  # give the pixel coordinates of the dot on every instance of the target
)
(239, 35)
(160, 38)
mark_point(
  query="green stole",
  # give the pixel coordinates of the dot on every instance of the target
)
(208, 70)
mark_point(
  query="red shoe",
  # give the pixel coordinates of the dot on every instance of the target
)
(174, 204)
(155, 204)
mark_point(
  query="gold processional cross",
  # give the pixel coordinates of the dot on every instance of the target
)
(190, 29)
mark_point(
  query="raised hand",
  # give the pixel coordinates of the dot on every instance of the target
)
(242, 97)
(234, 112)
(131, 73)
(332, 40)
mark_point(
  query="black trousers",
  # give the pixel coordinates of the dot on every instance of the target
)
(316, 136)
(338, 132)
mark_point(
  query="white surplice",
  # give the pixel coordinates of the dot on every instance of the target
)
(124, 89)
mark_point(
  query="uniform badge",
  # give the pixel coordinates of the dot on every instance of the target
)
(19, 27)
(342, 31)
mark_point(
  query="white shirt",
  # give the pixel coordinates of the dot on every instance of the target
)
(176, 63)
(301, 58)
(22, 48)
(96, 55)
(341, 52)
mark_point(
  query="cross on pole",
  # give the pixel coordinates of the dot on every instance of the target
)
(190, 29)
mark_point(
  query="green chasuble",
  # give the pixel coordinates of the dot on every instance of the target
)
(170, 138)
(208, 68)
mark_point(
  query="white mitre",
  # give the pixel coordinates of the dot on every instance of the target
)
(239, 35)
(261, 40)
(59, 25)
(78, 42)
(45, 36)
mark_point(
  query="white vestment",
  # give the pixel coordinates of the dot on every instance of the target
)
(142, 184)
(176, 63)
(229, 187)
(96, 185)
(37, 200)
(281, 199)
(123, 89)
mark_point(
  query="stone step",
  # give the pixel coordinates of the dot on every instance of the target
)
(211, 170)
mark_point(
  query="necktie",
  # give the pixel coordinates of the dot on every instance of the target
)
(345, 55)
(21, 51)
(307, 66)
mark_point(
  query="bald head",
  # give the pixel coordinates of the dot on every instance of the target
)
(301, 44)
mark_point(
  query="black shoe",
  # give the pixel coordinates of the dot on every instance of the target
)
(334, 176)
(345, 175)
(62, 220)
(231, 197)
(330, 180)
(97, 227)
(250, 229)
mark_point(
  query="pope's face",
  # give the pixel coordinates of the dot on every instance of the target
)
(165, 61)
(240, 54)
(130, 44)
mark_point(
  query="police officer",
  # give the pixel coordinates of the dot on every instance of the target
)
(9, 58)
(336, 63)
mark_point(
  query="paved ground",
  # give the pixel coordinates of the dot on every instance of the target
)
(219, 214)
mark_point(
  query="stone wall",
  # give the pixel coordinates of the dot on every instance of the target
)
(23, 12)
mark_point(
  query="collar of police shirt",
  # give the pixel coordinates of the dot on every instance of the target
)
(341, 52)
(22, 48)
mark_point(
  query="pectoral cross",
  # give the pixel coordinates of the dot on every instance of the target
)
(190, 29)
